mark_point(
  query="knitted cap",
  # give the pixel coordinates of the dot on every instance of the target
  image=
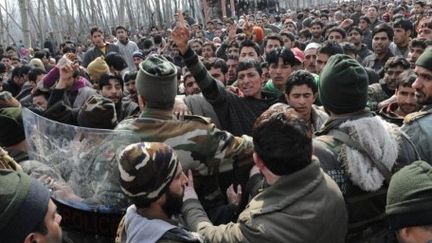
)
(23, 204)
(97, 67)
(425, 59)
(343, 85)
(37, 63)
(138, 54)
(157, 82)
(146, 170)
(98, 112)
(409, 196)
(11, 128)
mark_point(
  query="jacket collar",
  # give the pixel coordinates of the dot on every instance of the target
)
(335, 121)
(157, 114)
(288, 189)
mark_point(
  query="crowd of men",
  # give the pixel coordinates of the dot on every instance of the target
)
(304, 126)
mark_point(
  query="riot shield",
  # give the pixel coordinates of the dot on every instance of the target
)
(79, 165)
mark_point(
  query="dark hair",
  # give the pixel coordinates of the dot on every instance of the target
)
(115, 60)
(95, 29)
(317, 22)
(39, 92)
(288, 34)
(41, 54)
(383, 28)
(216, 63)
(211, 44)
(419, 42)
(397, 61)
(33, 73)
(404, 24)
(264, 65)
(157, 39)
(121, 27)
(286, 54)
(305, 33)
(250, 43)
(421, 3)
(349, 48)
(282, 140)
(130, 76)
(337, 29)
(366, 19)
(105, 78)
(248, 63)
(374, 6)
(330, 48)
(406, 78)
(301, 77)
(356, 29)
(16, 72)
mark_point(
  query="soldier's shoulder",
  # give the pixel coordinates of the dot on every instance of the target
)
(415, 116)
(200, 119)
(126, 124)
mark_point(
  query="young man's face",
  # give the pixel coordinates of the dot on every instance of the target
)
(355, 37)
(321, 61)
(217, 74)
(130, 87)
(425, 32)
(207, 52)
(423, 85)
(301, 99)
(98, 39)
(248, 52)
(287, 42)
(191, 86)
(316, 30)
(196, 47)
(249, 83)
(137, 61)
(405, 97)
(363, 24)
(7, 62)
(232, 70)
(335, 36)
(121, 34)
(391, 76)
(279, 73)
(380, 43)
(112, 90)
(414, 53)
(401, 36)
(372, 13)
(271, 45)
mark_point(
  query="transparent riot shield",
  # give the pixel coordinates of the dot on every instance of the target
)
(79, 165)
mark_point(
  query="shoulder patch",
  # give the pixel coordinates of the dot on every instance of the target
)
(415, 116)
(201, 119)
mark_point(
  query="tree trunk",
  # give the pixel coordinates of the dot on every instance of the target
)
(121, 12)
(58, 37)
(23, 6)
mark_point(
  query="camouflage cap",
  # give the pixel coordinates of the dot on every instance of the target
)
(157, 82)
(146, 171)
(98, 112)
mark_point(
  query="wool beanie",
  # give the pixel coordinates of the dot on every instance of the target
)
(343, 85)
(97, 112)
(97, 67)
(409, 196)
(157, 82)
(138, 54)
(425, 59)
(146, 171)
(23, 205)
(11, 128)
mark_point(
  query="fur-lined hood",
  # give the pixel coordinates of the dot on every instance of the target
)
(380, 139)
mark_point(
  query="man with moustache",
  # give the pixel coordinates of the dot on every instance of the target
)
(418, 125)
(126, 46)
(382, 36)
(152, 177)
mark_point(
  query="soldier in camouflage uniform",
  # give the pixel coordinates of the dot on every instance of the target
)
(358, 150)
(198, 143)
(385, 89)
(418, 125)
(152, 177)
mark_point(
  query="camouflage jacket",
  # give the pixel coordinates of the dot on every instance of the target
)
(354, 168)
(418, 126)
(376, 93)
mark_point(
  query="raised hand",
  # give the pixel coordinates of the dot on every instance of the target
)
(180, 34)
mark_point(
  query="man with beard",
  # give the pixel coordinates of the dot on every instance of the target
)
(418, 125)
(405, 102)
(126, 46)
(152, 177)
(416, 48)
(111, 87)
(100, 47)
(310, 54)
(232, 63)
(190, 85)
(379, 94)
(129, 80)
(402, 36)
(355, 36)
(382, 35)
